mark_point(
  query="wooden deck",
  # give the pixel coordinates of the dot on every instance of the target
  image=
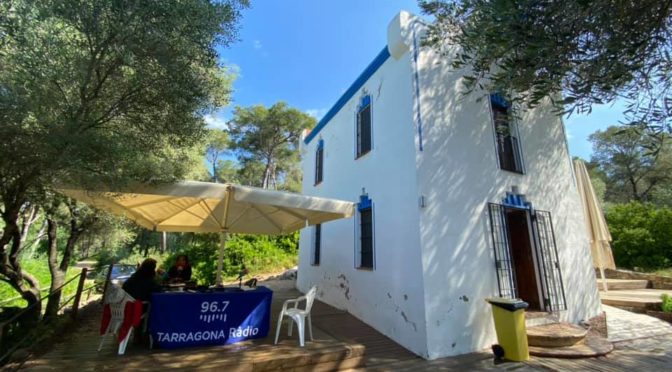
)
(342, 342)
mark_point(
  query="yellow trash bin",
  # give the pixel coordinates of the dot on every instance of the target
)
(509, 316)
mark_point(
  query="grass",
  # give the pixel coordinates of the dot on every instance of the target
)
(39, 268)
(664, 272)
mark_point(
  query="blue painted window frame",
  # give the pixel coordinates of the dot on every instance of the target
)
(317, 245)
(365, 209)
(507, 145)
(365, 104)
(319, 163)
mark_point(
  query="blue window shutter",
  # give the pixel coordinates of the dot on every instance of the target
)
(498, 100)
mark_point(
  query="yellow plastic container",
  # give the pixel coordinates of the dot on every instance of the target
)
(509, 316)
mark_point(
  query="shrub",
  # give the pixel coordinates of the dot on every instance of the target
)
(666, 306)
(259, 254)
(642, 237)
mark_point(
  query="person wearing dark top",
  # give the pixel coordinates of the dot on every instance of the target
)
(142, 283)
(181, 271)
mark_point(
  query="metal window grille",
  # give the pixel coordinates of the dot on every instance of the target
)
(554, 297)
(317, 244)
(319, 161)
(364, 130)
(503, 260)
(366, 238)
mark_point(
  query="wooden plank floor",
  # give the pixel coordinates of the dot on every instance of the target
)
(340, 339)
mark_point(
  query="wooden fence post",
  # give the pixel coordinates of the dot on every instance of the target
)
(78, 294)
(107, 281)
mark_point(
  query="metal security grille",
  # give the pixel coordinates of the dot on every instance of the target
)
(364, 130)
(366, 237)
(318, 244)
(554, 296)
(319, 163)
(503, 260)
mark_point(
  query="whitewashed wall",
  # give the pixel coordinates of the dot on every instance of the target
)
(389, 298)
(458, 174)
(435, 265)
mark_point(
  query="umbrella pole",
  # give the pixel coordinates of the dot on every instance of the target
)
(600, 246)
(220, 259)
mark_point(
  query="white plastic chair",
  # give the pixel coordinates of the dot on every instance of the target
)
(117, 298)
(297, 316)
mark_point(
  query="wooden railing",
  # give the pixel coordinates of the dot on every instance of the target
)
(75, 299)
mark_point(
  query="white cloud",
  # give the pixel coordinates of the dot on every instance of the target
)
(570, 136)
(317, 113)
(214, 122)
(257, 44)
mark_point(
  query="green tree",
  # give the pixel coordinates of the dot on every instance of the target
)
(228, 171)
(267, 139)
(78, 218)
(642, 238)
(590, 52)
(217, 143)
(101, 92)
(634, 165)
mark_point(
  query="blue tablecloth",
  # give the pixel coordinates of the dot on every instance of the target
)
(183, 319)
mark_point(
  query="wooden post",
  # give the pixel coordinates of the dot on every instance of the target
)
(107, 280)
(78, 294)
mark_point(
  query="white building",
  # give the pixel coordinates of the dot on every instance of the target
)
(452, 211)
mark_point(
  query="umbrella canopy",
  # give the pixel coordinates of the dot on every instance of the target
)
(595, 222)
(192, 206)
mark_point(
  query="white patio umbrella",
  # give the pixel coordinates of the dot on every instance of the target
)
(192, 206)
(595, 222)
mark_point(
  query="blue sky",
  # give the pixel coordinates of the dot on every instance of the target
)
(307, 53)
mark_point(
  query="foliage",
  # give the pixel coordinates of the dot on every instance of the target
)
(217, 143)
(634, 165)
(592, 52)
(642, 238)
(228, 171)
(266, 141)
(666, 306)
(40, 269)
(259, 254)
(102, 92)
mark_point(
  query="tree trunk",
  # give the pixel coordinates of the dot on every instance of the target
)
(59, 271)
(267, 174)
(29, 216)
(10, 268)
(57, 277)
(164, 242)
(38, 238)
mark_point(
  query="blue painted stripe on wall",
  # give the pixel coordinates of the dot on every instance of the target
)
(363, 77)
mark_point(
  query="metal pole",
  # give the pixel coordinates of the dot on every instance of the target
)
(600, 246)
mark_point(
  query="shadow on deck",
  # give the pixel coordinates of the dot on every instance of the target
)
(342, 342)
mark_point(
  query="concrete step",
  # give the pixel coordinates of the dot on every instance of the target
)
(636, 300)
(622, 284)
(592, 346)
(555, 335)
(539, 318)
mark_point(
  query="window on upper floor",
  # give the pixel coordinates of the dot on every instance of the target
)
(317, 244)
(506, 134)
(365, 232)
(364, 128)
(319, 162)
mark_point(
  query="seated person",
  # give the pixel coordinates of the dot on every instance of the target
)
(142, 283)
(181, 271)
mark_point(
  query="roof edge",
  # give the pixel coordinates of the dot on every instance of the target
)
(359, 82)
